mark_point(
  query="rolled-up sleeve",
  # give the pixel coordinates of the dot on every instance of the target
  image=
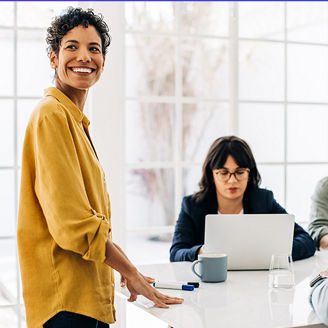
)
(61, 191)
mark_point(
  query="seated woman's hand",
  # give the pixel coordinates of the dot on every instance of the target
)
(201, 250)
(324, 242)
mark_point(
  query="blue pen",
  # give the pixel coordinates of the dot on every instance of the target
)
(172, 285)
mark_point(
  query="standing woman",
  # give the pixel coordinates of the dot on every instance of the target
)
(64, 230)
(229, 185)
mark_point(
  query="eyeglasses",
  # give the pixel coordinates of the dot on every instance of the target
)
(240, 175)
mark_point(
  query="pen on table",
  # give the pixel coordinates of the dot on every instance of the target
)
(192, 283)
(172, 285)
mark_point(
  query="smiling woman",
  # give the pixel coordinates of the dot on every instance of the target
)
(64, 223)
(79, 62)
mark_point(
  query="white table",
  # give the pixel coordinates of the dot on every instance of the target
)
(244, 300)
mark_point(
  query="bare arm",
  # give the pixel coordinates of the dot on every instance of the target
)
(135, 281)
(123, 280)
(120, 249)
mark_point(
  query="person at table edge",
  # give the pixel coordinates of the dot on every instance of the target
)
(318, 226)
(319, 296)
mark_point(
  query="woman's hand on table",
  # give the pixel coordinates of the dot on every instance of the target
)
(123, 280)
(138, 284)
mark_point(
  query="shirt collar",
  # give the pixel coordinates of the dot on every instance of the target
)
(68, 103)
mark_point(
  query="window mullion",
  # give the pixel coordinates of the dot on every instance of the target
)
(285, 105)
(18, 288)
(234, 70)
(178, 114)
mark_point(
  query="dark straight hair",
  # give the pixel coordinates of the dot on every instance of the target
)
(216, 158)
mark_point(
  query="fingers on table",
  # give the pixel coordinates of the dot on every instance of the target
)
(149, 279)
(165, 299)
(132, 298)
(123, 281)
(172, 300)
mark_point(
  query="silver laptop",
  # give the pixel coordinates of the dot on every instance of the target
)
(249, 240)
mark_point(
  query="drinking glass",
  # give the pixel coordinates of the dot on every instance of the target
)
(281, 306)
(281, 272)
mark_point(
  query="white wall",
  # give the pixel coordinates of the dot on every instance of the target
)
(107, 105)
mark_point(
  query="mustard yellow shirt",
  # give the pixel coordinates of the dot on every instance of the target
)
(64, 217)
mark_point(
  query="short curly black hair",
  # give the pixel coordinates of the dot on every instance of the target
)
(74, 17)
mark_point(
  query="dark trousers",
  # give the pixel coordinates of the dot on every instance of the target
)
(66, 319)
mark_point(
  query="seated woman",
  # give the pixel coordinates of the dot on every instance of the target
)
(229, 185)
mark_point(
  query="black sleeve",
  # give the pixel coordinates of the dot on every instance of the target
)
(184, 244)
(303, 244)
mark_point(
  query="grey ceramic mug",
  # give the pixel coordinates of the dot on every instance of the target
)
(212, 267)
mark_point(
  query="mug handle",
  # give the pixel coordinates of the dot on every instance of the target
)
(194, 270)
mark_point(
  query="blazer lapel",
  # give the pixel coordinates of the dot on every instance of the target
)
(212, 206)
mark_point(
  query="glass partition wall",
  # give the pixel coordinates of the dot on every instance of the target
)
(196, 71)
(177, 102)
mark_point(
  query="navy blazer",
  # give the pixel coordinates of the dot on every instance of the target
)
(190, 228)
